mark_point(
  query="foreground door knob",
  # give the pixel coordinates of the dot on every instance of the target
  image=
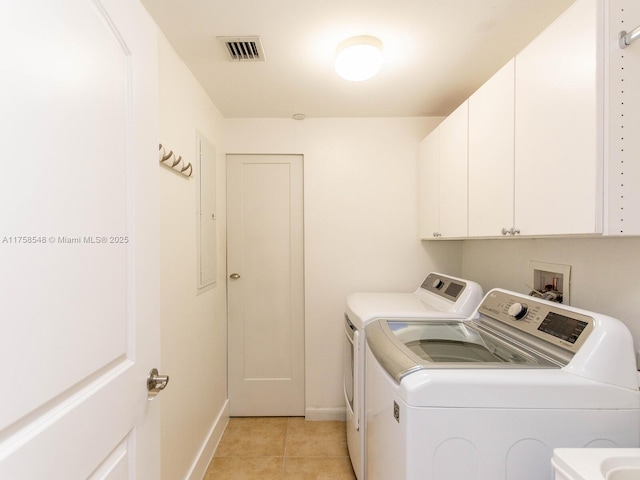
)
(156, 383)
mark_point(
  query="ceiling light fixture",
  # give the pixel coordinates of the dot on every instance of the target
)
(359, 58)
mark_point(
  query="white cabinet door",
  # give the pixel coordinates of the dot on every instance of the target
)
(558, 128)
(491, 144)
(453, 173)
(429, 185)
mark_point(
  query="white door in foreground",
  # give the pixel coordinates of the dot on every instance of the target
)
(78, 240)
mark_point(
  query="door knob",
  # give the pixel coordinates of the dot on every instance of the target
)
(156, 383)
(234, 276)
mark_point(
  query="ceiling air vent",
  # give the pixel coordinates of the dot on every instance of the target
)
(243, 49)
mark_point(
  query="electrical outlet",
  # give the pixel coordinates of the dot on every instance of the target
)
(551, 281)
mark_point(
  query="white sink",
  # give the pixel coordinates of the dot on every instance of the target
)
(596, 463)
(624, 474)
(621, 467)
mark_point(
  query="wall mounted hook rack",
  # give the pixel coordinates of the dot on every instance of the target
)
(175, 163)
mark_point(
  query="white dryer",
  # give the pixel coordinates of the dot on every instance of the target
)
(439, 296)
(490, 397)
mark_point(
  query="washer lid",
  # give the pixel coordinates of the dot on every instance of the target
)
(406, 347)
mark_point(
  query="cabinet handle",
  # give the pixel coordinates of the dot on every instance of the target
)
(437, 234)
(511, 231)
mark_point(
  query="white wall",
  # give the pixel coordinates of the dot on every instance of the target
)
(361, 228)
(194, 325)
(605, 272)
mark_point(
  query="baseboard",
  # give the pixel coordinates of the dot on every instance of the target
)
(199, 467)
(325, 414)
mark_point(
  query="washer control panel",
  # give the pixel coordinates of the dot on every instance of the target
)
(518, 310)
(444, 286)
(551, 323)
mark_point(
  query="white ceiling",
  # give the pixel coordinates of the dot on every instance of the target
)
(437, 52)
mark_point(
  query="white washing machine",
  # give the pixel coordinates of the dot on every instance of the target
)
(439, 296)
(490, 397)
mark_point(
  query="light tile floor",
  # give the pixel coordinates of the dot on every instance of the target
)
(281, 448)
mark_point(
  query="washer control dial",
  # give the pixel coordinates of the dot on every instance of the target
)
(437, 284)
(518, 310)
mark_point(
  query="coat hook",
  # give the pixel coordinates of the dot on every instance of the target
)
(176, 164)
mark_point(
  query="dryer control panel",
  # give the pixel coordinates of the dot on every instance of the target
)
(551, 323)
(444, 286)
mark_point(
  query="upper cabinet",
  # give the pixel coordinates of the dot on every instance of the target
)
(558, 127)
(622, 103)
(443, 178)
(429, 181)
(491, 166)
(550, 142)
(453, 173)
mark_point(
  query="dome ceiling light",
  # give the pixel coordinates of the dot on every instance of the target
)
(359, 58)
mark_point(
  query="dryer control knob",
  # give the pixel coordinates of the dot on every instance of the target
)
(518, 310)
(437, 284)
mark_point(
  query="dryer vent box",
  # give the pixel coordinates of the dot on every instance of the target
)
(550, 281)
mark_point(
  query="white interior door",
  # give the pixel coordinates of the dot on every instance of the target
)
(265, 285)
(78, 240)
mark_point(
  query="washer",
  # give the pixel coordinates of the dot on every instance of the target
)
(439, 296)
(490, 397)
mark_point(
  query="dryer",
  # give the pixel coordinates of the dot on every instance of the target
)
(439, 296)
(490, 397)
